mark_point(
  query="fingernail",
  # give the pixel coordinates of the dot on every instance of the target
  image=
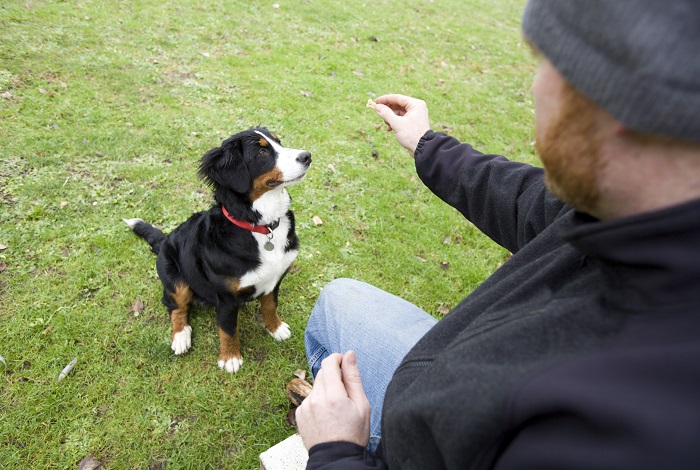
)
(352, 358)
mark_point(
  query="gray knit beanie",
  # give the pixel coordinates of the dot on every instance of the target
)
(637, 59)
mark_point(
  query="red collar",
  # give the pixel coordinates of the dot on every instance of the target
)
(264, 229)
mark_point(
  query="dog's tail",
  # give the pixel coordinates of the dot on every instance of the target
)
(148, 232)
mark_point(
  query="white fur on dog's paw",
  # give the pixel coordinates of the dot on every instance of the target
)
(282, 333)
(182, 341)
(232, 365)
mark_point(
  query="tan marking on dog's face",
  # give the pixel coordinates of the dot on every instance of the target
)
(263, 142)
(183, 297)
(268, 309)
(265, 183)
(229, 346)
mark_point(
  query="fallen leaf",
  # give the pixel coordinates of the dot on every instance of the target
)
(7, 95)
(447, 240)
(306, 93)
(3, 267)
(291, 419)
(2, 246)
(359, 73)
(317, 220)
(128, 124)
(137, 307)
(300, 373)
(64, 204)
(422, 260)
(2, 359)
(205, 54)
(444, 265)
(444, 310)
(275, 5)
(332, 168)
(89, 463)
(64, 85)
(42, 91)
(47, 329)
(374, 38)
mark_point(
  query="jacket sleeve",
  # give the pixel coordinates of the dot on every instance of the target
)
(341, 456)
(506, 200)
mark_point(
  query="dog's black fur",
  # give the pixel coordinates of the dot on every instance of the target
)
(211, 259)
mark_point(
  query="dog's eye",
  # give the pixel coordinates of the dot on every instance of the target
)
(263, 152)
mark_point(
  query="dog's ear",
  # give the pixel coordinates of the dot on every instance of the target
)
(225, 166)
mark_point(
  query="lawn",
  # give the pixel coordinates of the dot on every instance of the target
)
(105, 109)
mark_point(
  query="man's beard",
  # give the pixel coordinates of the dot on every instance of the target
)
(569, 150)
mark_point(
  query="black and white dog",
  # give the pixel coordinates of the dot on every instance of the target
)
(241, 248)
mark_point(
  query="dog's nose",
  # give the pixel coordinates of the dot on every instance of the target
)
(304, 158)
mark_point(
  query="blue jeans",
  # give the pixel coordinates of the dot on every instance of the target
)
(380, 327)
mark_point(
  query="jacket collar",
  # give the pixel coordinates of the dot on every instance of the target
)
(649, 260)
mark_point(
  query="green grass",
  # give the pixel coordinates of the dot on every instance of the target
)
(106, 108)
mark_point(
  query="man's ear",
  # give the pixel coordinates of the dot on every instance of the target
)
(225, 166)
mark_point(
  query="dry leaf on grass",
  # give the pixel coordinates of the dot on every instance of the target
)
(317, 220)
(291, 419)
(137, 307)
(89, 463)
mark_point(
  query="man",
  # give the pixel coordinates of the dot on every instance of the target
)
(583, 350)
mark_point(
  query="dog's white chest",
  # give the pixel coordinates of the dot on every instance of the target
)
(273, 263)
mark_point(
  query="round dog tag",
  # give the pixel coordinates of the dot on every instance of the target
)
(269, 246)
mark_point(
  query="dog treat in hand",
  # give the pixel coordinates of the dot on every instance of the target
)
(371, 104)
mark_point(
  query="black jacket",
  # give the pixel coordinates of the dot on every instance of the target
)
(582, 351)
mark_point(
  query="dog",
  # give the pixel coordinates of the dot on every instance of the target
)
(240, 249)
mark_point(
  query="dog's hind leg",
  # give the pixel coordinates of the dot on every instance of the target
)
(268, 308)
(230, 358)
(182, 331)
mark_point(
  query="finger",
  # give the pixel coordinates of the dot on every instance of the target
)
(351, 377)
(386, 113)
(329, 377)
(395, 100)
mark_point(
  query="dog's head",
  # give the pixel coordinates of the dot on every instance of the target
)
(253, 162)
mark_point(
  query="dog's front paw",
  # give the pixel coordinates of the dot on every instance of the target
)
(182, 341)
(231, 365)
(282, 332)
